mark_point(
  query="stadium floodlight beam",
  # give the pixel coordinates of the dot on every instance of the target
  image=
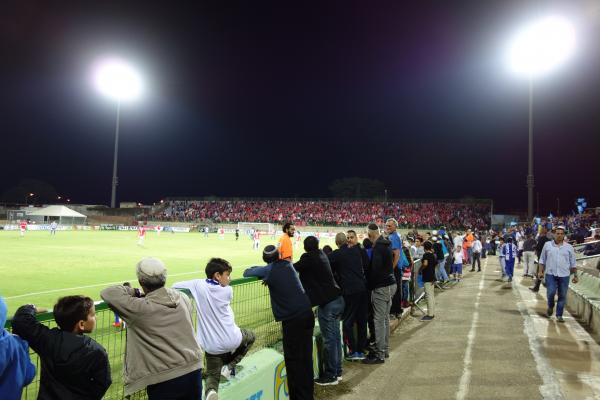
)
(533, 52)
(120, 82)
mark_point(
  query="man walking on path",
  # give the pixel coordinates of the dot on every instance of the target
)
(477, 247)
(558, 262)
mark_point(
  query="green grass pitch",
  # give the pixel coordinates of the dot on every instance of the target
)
(39, 268)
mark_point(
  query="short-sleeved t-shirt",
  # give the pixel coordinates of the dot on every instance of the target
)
(396, 245)
(285, 247)
(428, 273)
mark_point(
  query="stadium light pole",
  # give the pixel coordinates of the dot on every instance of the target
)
(534, 51)
(121, 83)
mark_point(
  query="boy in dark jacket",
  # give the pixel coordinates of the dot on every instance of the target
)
(291, 306)
(16, 369)
(323, 291)
(74, 366)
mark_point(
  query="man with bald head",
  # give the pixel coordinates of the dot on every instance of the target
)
(347, 265)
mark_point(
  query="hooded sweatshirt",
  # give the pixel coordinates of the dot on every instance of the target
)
(74, 367)
(16, 369)
(160, 335)
(381, 269)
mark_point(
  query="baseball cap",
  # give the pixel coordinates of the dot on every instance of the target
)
(151, 267)
(434, 233)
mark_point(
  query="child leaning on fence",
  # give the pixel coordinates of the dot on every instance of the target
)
(224, 343)
(16, 369)
(74, 366)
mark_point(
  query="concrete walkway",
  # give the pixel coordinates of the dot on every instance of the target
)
(489, 340)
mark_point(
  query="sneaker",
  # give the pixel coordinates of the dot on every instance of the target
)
(226, 372)
(549, 312)
(212, 395)
(356, 356)
(510, 279)
(426, 318)
(373, 360)
(560, 319)
(326, 381)
(533, 289)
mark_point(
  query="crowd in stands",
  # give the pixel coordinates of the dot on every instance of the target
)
(361, 286)
(453, 215)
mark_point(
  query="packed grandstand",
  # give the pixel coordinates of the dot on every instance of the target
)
(454, 215)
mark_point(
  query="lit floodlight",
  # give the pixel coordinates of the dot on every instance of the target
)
(542, 46)
(118, 80)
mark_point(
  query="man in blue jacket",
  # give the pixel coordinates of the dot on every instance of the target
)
(291, 306)
(16, 369)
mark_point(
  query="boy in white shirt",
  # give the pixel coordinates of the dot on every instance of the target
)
(223, 342)
(458, 263)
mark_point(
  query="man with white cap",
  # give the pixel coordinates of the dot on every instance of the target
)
(162, 354)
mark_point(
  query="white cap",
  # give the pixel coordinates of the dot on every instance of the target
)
(151, 267)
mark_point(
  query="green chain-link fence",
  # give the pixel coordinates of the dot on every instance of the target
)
(251, 306)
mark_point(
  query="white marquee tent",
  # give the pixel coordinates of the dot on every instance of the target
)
(60, 214)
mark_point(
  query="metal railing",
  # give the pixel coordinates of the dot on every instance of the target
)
(251, 306)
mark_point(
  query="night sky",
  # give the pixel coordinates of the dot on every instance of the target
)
(279, 99)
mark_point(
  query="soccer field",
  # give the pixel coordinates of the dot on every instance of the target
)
(39, 268)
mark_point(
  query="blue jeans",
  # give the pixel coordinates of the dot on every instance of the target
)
(553, 284)
(329, 322)
(440, 271)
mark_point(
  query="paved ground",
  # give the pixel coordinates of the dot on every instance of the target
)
(489, 340)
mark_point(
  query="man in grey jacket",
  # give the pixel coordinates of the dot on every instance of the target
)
(162, 353)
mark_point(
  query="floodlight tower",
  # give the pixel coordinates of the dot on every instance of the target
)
(121, 83)
(534, 51)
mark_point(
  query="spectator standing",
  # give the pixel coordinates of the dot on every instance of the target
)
(383, 286)
(529, 255)
(53, 226)
(399, 262)
(476, 251)
(291, 306)
(427, 271)
(509, 250)
(162, 354)
(457, 264)
(223, 342)
(16, 369)
(543, 237)
(323, 291)
(501, 258)
(557, 261)
(440, 270)
(74, 366)
(419, 247)
(285, 242)
(347, 265)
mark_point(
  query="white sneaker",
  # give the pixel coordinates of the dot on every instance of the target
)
(226, 372)
(212, 395)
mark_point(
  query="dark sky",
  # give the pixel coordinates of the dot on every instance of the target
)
(279, 99)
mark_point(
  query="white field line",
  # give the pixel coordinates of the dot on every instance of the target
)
(550, 388)
(465, 379)
(87, 286)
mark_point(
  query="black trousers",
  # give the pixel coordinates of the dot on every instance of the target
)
(297, 353)
(185, 387)
(356, 311)
(397, 299)
(476, 259)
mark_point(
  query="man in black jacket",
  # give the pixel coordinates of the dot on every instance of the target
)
(323, 291)
(74, 366)
(380, 277)
(541, 241)
(347, 264)
(291, 306)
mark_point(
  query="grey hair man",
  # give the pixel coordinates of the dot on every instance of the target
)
(381, 281)
(162, 354)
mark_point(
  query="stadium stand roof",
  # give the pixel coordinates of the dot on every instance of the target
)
(56, 211)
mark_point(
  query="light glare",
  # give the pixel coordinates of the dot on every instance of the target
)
(118, 80)
(542, 46)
